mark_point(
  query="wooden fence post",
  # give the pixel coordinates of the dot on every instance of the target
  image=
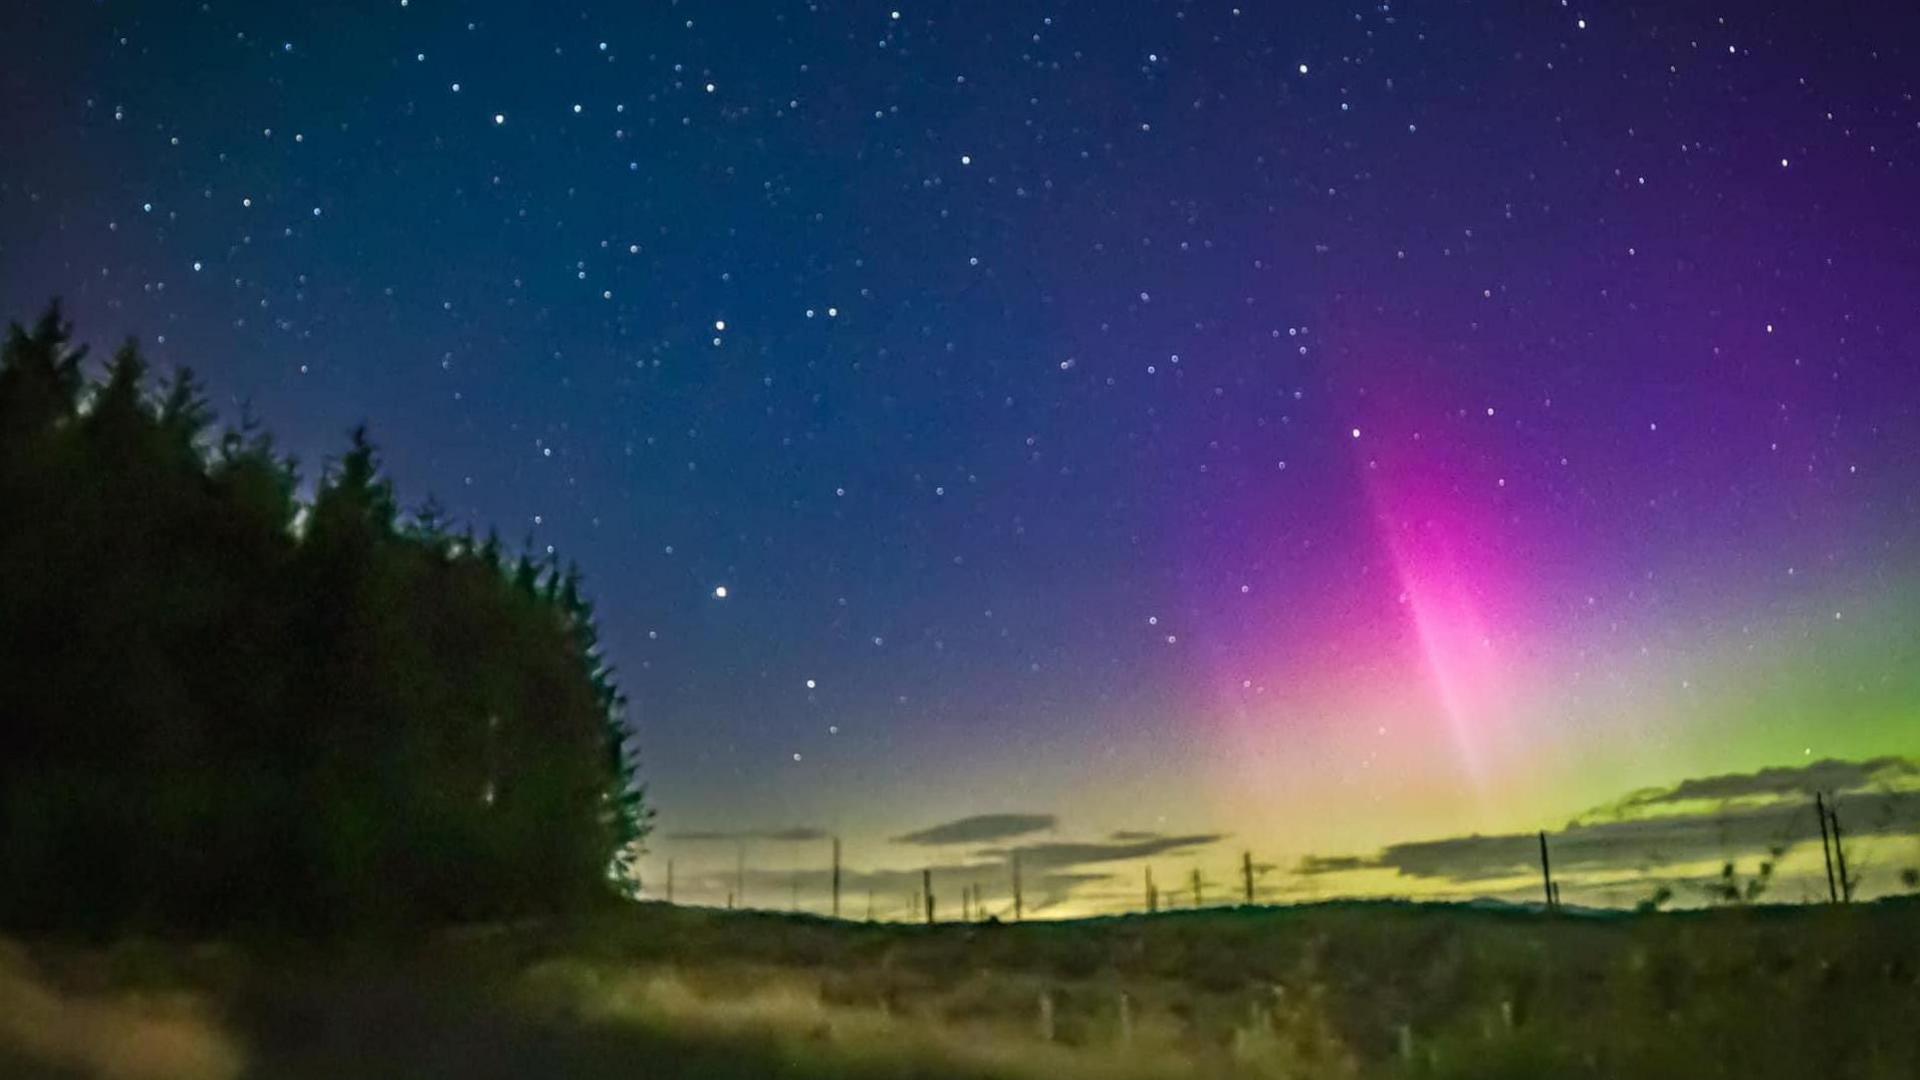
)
(1826, 847)
(836, 877)
(1840, 854)
(1546, 871)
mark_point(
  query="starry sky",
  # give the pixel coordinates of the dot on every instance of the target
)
(1166, 428)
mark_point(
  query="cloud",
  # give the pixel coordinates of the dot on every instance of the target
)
(1665, 834)
(1051, 874)
(979, 828)
(791, 835)
(1059, 856)
(1785, 783)
(892, 890)
(1333, 864)
(798, 834)
(1635, 844)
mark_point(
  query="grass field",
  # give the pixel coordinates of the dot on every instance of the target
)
(1338, 990)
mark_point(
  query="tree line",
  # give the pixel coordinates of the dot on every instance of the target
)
(221, 705)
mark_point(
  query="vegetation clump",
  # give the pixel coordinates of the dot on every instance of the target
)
(222, 706)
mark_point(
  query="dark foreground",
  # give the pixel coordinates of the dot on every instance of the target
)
(1355, 990)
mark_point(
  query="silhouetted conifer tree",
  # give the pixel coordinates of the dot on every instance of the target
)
(219, 707)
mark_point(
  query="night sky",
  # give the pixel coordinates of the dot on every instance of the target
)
(1297, 428)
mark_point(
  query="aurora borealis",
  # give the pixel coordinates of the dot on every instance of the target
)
(1184, 427)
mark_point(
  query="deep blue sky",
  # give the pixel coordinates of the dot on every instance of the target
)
(1130, 411)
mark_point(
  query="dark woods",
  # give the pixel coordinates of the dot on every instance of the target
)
(220, 707)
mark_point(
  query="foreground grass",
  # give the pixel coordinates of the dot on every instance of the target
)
(1356, 990)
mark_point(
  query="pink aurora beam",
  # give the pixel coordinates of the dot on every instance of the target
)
(1442, 569)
